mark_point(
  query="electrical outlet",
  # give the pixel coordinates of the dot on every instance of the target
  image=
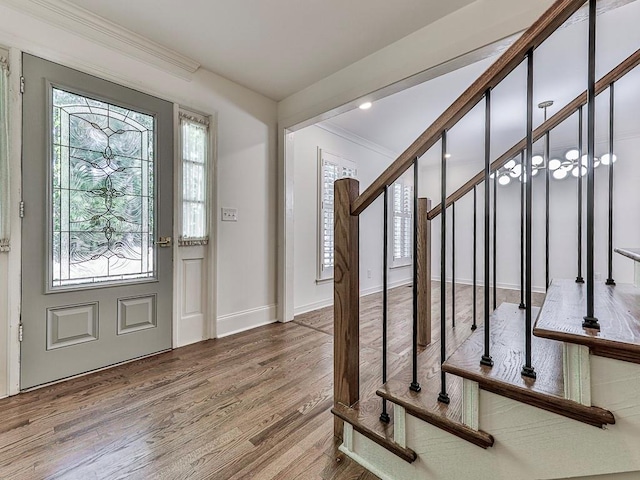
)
(229, 214)
(368, 273)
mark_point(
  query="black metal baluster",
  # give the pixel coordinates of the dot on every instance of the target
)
(610, 280)
(453, 265)
(443, 396)
(527, 369)
(590, 320)
(486, 357)
(415, 386)
(579, 278)
(384, 416)
(475, 258)
(495, 238)
(547, 192)
(522, 305)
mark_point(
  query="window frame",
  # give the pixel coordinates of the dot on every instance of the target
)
(406, 236)
(325, 273)
(186, 115)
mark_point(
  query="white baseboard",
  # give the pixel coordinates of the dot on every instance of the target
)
(241, 321)
(506, 286)
(378, 289)
(370, 291)
(313, 306)
(327, 302)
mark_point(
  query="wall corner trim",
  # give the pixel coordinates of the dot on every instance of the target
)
(357, 139)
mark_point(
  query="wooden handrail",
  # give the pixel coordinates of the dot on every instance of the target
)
(550, 21)
(572, 107)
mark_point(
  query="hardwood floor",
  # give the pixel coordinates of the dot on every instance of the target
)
(252, 406)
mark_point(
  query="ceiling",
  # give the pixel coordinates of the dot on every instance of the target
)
(275, 47)
(560, 70)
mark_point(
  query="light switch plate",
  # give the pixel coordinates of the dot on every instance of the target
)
(229, 214)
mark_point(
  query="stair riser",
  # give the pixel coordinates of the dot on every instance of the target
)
(530, 442)
(470, 404)
(577, 373)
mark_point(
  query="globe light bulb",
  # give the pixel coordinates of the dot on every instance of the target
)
(554, 164)
(559, 174)
(582, 171)
(596, 161)
(572, 154)
(504, 180)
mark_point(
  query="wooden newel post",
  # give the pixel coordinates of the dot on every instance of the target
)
(346, 298)
(424, 272)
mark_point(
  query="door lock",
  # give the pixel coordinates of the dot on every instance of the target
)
(163, 242)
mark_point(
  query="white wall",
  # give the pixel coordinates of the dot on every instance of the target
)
(246, 154)
(371, 161)
(563, 220)
(309, 295)
(429, 51)
(479, 24)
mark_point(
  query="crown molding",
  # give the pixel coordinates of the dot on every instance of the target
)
(80, 21)
(357, 139)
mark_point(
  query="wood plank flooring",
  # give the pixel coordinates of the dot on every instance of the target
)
(252, 406)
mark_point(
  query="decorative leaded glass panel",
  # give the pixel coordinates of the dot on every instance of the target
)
(102, 187)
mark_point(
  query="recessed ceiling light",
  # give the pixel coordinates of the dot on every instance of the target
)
(365, 106)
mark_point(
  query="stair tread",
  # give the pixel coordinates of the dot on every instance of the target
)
(504, 378)
(507, 351)
(616, 307)
(371, 427)
(425, 405)
(632, 253)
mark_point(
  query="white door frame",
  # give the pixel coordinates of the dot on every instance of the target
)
(14, 271)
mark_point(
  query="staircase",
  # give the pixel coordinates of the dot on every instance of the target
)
(535, 389)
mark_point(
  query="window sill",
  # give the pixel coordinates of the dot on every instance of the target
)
(322, 281)
(402, 265)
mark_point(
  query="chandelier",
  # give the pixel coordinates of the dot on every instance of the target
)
(559, 169)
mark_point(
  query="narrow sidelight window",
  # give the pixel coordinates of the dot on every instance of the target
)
(195, 148)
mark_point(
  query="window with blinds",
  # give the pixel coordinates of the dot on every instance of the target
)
(194, 145)
(402, 225)
(332, 167)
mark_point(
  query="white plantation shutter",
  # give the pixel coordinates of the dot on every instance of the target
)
(332, 168)
(402, 226)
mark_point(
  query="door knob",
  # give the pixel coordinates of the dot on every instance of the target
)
(163, 242)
